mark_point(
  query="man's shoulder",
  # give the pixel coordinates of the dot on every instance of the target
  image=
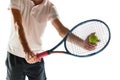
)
(50, 4)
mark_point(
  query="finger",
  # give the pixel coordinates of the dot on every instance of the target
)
(31, 61)
(31, 58)
(90, 47)
(93, 33)
(36, 59)
(93, 45)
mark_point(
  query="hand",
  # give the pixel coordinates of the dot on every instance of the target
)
(89, 46)
(31, 58)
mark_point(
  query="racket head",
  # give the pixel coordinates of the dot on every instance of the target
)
(82, 30)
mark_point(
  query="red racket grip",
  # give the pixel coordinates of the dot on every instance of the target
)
(43, 54)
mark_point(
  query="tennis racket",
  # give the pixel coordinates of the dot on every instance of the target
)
(82, 30)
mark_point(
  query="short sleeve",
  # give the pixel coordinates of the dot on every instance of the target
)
(15, 4)
(53, 13)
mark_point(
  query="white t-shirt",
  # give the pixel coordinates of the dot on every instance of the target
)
(34, 20)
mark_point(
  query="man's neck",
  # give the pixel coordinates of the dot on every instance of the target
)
(36, 2)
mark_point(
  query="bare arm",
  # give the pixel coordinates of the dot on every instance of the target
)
(62, 30)
(18, 22)
(18, 25)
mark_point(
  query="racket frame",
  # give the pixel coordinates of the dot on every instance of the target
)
(51, 51)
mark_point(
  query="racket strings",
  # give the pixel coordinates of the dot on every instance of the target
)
(83, 31)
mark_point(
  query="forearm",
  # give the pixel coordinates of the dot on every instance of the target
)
(19, 27)
(62, 30)
(72, 38)
(22, 37)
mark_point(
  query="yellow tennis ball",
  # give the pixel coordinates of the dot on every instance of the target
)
(93, 39)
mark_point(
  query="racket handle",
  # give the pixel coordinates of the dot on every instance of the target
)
(43, 54)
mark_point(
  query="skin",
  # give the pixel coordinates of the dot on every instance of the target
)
(62, 30)
(36, 2)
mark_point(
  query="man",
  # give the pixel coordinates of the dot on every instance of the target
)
(29, 21)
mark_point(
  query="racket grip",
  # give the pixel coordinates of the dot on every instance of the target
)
(43, 54)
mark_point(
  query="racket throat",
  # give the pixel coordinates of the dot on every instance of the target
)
(43, 54)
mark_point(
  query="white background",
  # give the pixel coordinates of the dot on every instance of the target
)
(104, 66)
